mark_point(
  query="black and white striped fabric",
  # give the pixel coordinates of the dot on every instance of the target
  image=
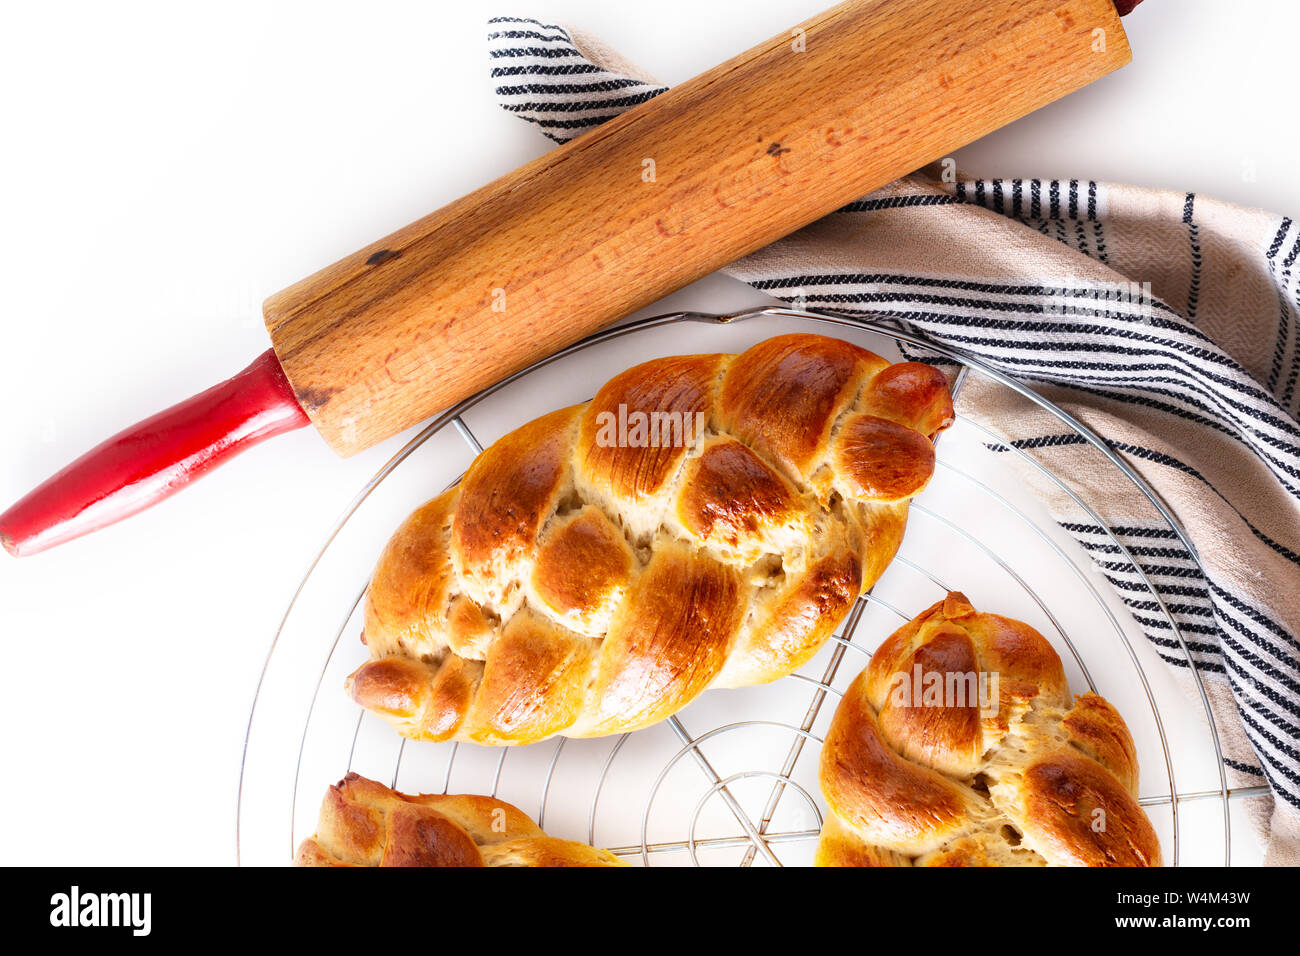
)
(1170, 323)
(541, 75)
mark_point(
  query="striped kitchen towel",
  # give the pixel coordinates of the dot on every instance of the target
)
(1169, 323)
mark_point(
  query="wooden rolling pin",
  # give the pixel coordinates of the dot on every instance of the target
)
(742, 155)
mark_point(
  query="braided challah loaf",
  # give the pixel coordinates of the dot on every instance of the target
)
(364, 823)
(704, 521)
(1025, 776)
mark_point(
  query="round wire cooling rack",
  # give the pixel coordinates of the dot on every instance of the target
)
(731, 779)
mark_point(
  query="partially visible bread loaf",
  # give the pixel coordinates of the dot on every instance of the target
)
(1026, 776)
(600, 567)
(364, 823)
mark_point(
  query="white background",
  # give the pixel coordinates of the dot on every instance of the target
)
(164, 167)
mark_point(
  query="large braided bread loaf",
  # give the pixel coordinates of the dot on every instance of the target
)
(1025, 776)
(364, 823)
(601, 566)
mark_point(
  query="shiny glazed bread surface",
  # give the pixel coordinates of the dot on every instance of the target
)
(583, 580)
(1032, 778)
(364, 823)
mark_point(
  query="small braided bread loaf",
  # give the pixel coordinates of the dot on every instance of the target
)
(1014, 774)
(601, 566)
(364, 823)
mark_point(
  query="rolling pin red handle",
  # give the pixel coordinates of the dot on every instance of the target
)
(156, 458)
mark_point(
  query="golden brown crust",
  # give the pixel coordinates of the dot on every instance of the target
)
(730, 496)
(546, 851)
(364, 823)
(507, 494)
(949, 739)
(887, 799)
(1079, 814)
(1096, 728)
(421, 836)
(533, 682)
(584, 566)
(881, 460)
(959, 745)
(668, 644)
(681, 386)
(599, 567)
(840, 846)
(407, 598)
(790, 627)
(910, 394)
(783, 396)
(404, 691)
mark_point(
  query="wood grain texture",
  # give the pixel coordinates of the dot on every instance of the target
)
(744, 154)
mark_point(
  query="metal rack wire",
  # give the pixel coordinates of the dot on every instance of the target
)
(756, 834)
